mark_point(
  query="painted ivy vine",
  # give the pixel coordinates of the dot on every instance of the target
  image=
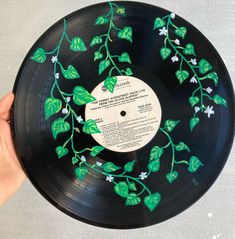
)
(189, 68)
(103, 54)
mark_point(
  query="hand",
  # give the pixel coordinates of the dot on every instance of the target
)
(11, 173)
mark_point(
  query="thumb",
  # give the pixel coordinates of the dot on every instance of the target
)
(5, 106)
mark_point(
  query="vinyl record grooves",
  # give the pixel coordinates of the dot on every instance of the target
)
(123, 114)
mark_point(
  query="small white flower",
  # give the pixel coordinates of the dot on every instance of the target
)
(194, 61)
(143, 175)
(174, 59)
(109, 178)
(163, 31)
(99, 164)
(79, 119)
(57, 75)
(68, 99)
(197, 109)
(193, 80)
(209, 90)
(177, 41)
(54, 59)
(65, 111)
(209, 111)
(83, 158)
(172, 15)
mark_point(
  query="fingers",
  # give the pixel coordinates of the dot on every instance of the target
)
(5, 106)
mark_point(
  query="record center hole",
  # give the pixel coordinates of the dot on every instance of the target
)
(123, 113)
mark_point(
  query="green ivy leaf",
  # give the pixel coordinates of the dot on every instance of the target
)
(154, 165)
(220, 100)
(204, 66)
(193, 122)
(103, 65)
(171, 176)
(77, 44)
(170, 125)
(125, 33)
(95, 150)
(158, 23)
(193, 100)
(121, 11)
(128, 71)
(132, 200)
(101, 20)
(182, 146)
(39, 55)
(70, 73)
(189, 49)
(124, 57)
(96, 40)
(182, 75)
(110, 83)
(110, 167)
(97, 55)
(165, 52)
(59, 126)
(81, 96)
(121, 189)
(155, 153)
(152, 201)
(90, 127)
(74, 160)
(181, 32)
(214, 76)
(52, 106)
(129, 166)
(61, 151)
(194, 164)
(132, 186)
(81, 172)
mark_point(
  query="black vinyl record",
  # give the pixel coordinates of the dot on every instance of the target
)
(123, 114)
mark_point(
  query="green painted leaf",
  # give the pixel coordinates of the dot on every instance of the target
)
(171, 176)
(59, 126)
(181, 32)
(81, 96)
(170, 125)
(77, 44)
(165, 52)
(194, 164)
(129, 166)
(121, 11)
(81, 172)
(155, 153)
(39, 55)
(74, 160)
(101, 20)
(152, 201)
(220, 100)
(182, 75)
(97, 55)
(90, 127)
(182, 146)
(110, 83)
(103, 65)
(124, 57)
(158, 23)
(96, 40)
(128, 71)
(193, 100)
(189, 49)
(214, 76)
(61, 151)
(70, 73)
(95, 150)
(110, 167)
(154, 165)
(121, 189)
(193, 122)
(204, 66)
(125, 33)
(132, 186)
(132, 200)
(52, 106)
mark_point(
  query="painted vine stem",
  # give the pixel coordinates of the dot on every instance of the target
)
(103, 54)
(189, 68)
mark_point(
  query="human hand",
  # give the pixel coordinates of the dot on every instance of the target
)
(11, 173)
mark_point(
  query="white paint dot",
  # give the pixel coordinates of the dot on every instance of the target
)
(214, 237)
(210, 214)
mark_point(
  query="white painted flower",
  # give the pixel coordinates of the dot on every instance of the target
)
(209, 111)
(197, 109)
(54, 59)
(194, 61)
(177, 41)
(99, 164)
(79, 119)
(163, 31)
(143, 175)
(193, 80)
(174, 59)
(83, 158)
(109, 178)
(65, 111)
(209, 90)
(172, 15)
(57, 75)
(68, 99)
